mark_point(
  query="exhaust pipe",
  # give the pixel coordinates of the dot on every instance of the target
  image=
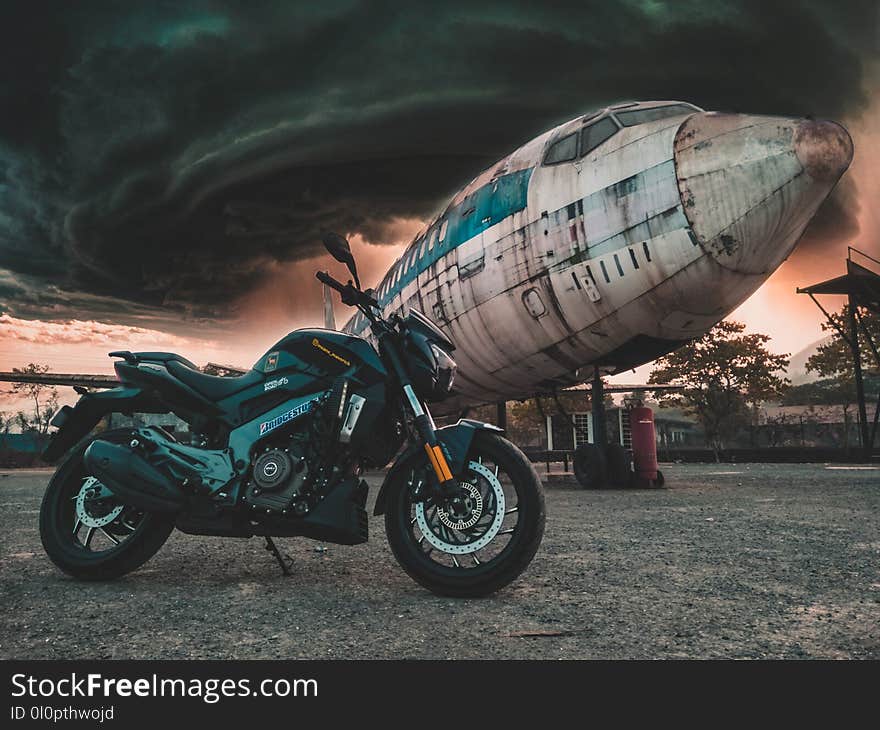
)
(131, 478)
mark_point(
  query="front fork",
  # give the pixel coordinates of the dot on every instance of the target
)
(447, 484)
(446, 481)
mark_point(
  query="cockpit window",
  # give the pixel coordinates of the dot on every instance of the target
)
(562, 151)
(597, 133)
(640, 116)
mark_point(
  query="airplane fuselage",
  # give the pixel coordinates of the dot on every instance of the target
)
(611, 240)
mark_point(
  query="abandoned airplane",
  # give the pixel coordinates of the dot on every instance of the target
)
(610, 240)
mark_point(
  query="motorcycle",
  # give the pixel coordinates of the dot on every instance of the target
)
(280, 452)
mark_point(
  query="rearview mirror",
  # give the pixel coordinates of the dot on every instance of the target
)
(339, 249)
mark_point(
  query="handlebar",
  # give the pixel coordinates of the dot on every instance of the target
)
(349, 294)
(325, 278)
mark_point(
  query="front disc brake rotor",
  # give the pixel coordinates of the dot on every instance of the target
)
(92, 508)
(461, 520)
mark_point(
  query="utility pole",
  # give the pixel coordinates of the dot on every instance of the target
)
(860, 385)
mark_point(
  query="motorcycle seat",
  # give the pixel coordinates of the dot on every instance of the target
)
(163, 357)
(212, 387)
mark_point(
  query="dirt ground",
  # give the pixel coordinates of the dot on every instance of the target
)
(728, 561)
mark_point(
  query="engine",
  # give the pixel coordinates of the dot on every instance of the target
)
(278, 476)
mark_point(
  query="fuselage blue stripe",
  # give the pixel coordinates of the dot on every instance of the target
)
(478, 211)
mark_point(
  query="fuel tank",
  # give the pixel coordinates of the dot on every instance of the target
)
(324, 355)
(303, 362)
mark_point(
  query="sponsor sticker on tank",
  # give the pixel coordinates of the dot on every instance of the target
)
(271, 362)
(296, 412)
(277, 383)
(327, 351)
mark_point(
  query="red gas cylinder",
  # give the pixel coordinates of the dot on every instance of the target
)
(644, 444)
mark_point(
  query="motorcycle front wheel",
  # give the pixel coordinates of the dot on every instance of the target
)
(87, 532)
(480, 542)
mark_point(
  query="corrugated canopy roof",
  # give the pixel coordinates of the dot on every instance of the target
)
(859, 282)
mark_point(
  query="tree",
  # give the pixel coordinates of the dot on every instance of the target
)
(6, 422)
(723, 373)
(834, 359)
(45, 398)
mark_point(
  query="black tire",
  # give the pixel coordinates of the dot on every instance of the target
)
(478, 578)
(58, 515)
(590, 466)
(619, 464)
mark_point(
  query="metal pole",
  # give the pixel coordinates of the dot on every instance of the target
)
(597, 395)
(860, 385)
(502, 414)
(874, 428)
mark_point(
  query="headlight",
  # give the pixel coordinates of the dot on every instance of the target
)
(446, 368)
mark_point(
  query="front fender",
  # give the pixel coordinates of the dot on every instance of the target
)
(456, 441)
(74, 423)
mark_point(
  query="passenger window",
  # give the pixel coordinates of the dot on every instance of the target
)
(642, 116)
(443, 229)
(632, 255)
(596, 134)
(605, 272)
(432, 239)
(647, 251)
(619, 267)
(562, 151)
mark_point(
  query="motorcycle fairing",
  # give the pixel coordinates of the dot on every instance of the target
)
(243, 438)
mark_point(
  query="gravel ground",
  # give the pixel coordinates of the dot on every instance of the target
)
(729, 561)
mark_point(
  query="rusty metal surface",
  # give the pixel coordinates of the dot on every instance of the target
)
(750, 185)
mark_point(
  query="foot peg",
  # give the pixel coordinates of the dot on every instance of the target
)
(285, 561)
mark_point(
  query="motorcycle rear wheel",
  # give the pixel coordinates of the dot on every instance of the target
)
(487, 543)
(89, 534)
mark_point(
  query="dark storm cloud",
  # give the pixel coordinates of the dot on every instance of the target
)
(166, 153)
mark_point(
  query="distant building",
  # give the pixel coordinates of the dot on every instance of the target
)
(677, 429)
(811, 425)
(25, 443)
(674, 429)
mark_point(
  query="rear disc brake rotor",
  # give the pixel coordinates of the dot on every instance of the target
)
(93, 508)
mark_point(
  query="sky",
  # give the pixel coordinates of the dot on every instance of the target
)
(166, 167)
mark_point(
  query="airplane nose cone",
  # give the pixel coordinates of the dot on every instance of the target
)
(749, 185)
(824, 148)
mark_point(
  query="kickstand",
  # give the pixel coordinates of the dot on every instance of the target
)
(285, 561)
